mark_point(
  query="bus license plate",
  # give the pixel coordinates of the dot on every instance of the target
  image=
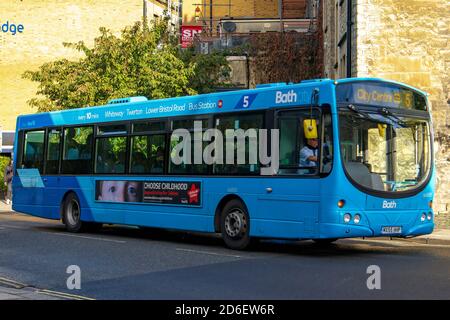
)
(391, 230)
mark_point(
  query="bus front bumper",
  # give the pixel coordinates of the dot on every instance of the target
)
(379, 224)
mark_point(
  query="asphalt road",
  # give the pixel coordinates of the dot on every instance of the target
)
(127, 263)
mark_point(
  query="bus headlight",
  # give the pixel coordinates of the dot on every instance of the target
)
(347, 217)
(423, 217)
(429, 216)
(357, 218)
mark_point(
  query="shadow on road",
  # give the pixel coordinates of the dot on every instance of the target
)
(343, 247)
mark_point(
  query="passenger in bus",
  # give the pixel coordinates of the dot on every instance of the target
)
(119, 166)
(139, 163)
(158, 161)
(86, 149)
(73, 152)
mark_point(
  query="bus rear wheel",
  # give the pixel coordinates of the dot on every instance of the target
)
(235, 225)
(72, 216)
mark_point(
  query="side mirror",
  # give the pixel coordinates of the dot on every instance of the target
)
(310, 128)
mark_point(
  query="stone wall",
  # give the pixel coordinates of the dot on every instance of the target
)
(47, 25)
(335, 38)
(409, 41)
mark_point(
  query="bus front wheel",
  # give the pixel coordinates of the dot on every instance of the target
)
(235, 225)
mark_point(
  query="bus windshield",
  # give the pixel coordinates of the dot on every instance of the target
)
(382, 151)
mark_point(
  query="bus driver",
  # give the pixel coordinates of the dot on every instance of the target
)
(309, 153)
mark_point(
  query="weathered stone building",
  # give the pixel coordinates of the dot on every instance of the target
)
(407, 41)
(47, 24)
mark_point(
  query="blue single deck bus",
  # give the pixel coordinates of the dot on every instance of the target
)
(371, 175)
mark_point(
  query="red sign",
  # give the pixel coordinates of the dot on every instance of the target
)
(187, 35)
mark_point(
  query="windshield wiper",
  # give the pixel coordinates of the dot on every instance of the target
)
(367, 116)
(387, 113)
(355, 109)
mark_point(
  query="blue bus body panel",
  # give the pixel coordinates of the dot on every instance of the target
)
(234, 101)
(298, 207)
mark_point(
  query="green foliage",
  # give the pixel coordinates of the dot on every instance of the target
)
(4, 161)
(145, 60)
(210, 70)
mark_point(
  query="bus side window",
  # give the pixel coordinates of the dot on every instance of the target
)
(77, 155)
(189, 166)
(111, 155)
(33, 155)
(53, 147)
(327, 144)
(234, 129)
(298, 155)
(147, 154)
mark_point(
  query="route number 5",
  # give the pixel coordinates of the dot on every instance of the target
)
(246, 102)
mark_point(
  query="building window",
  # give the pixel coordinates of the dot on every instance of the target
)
(343, 67)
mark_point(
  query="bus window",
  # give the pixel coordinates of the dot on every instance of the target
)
(188, 124)
(250, 124)
(327, 144)
(151, 126)
(53, 147)
(111, 155)
(113, 129)
(147, 154)
(77, 156)
(299, 155)
(185, 167)
(175, 139)
(33, 156)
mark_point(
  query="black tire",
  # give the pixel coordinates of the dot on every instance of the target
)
(152, 231)
(235, 225)
(72, 216)
(324, 242)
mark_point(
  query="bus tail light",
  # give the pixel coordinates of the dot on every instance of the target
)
(429, 216)
(430, 204)
(357, 218)
(341, 203)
